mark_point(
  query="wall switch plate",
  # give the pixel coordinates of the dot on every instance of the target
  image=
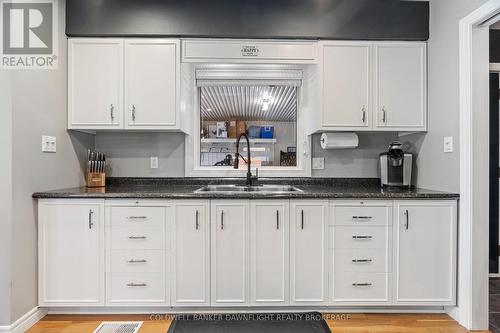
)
(318, 163)
(154, 162)
(448, 144)
(49, 144)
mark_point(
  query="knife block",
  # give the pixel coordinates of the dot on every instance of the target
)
(96, 179)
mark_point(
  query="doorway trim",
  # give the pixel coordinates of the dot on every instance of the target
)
(472, 308)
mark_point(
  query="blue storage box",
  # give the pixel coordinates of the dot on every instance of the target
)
(254, 132)
(267, 132)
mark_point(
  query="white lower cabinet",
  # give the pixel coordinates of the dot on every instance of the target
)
(308, 252)
(71, 252)
(426, 245)
(136, 253)
(269, 252)
(361, 252)
(203, 253)
(191, 253)
(230, 252)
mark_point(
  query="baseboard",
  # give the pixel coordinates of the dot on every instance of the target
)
(25, 322)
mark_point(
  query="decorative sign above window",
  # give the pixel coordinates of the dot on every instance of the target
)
(249, 51)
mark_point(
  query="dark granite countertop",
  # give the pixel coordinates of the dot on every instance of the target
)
(183, 188)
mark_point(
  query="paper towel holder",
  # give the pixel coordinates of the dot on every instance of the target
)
(339, 140)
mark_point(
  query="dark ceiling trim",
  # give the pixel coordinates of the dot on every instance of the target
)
(276, 19)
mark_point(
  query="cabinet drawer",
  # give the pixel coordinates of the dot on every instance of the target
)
(136, 287)
(361, 260)
(137, 238)
(361, 237)
(361, 215)
(143, 216)
(130, 261)
(360, 287)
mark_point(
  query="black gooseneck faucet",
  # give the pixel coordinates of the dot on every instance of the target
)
(247, 161)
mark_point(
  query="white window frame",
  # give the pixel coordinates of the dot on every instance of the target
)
(192, 140)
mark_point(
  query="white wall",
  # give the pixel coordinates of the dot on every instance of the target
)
(437, 170)
(39, 107)
(5, 196)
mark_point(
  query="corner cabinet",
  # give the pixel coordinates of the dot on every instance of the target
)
(123, 84)
(71, 252)
(372, 86)
(425, 252)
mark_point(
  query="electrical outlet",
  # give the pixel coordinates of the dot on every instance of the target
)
(49, 144)
(448, 144)
(154, 162)
(318, 163)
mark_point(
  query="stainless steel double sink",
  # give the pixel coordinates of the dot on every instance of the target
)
(271, 189)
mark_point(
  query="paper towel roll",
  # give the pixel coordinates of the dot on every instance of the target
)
(342, 140)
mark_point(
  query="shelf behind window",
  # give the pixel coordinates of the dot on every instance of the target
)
(233, 140)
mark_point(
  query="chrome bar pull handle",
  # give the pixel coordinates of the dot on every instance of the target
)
(112, 112)
(91, 222)
(133, 261)
(222, 220)
(362, 237)
(384, 115)
(197, 223)
(302, 219)
(277, 220)
(137, 237)
(132, 284)
(363, 114)
(133, 112)
(407, 223)
(361, 260)
(364, 284)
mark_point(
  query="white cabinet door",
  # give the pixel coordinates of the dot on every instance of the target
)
(229, 252)
(71, 252)
(400, 86)
(191, 257)
(151, 83)
(95, 83)
(425, 252)
(308, 246)
(269, 238)
(344, 76)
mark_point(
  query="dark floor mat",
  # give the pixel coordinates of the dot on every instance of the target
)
(311, 322)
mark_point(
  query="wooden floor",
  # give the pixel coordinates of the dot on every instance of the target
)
(353, 323)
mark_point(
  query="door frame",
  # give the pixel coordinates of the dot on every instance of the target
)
(472, 307)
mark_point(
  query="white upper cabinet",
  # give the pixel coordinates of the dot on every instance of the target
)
(71, 252)
(344, 75)
(400, 86)
(372, 86)
(95, 83)
(425, 259)
(123, 84)
(269, 235)
(151, 81)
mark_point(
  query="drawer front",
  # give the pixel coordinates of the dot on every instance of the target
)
(138, 216)
(136, 288)
(359, 287)
(361, 215)
(361, 237)
(137, 261)
(137, 238)
(361, 260)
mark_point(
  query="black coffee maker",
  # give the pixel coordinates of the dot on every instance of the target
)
(396, 166)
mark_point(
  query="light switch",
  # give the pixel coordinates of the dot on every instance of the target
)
(448, 144)
(49, 144)
(318, 163)
(154, 162)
